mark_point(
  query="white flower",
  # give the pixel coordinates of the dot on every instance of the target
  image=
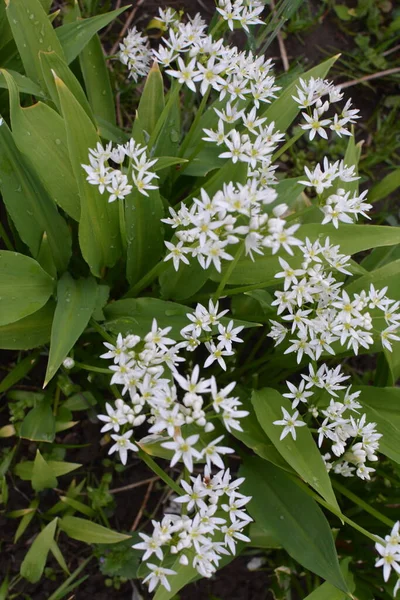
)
(297, 394)
(158, 575)
(290, 423)
(212, 453)
(122, 445)
(183, 449)
(390, 558)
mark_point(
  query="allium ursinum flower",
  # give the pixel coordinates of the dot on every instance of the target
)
(157, 393)
(316, 312)
(352, 440)
(136, 54)
(215, 510)
(389, 551)
(309, 95)
(211, 229)
(119, 182)
(339, 206)
(243, 12)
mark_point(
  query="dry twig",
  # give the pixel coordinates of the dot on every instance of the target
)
(143, 506)
(128, 23)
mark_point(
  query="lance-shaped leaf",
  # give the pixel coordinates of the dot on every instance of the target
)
(32, 32)
(24, 286)
(29, 332)
(25, 85)
(39, 424)
(29, 204)
(144, 234)
(151, 102)
(39, 133)
(293, 518)
(302, 454)
(35, 560)
(89, 532)
(51, 63)
(76, 301)
(42, 475)
(99, 236)
(73, 37)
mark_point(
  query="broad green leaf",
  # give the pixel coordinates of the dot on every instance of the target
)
(167, 133)
(35, 560)
(388, 275)
(20, 371)
(73, 37)
(5, 31)
(381, 406)
(29, 332)
(24, 470)
(42, 474)
(50, 62)
(39, 424)
(167, 161)
(29, 204)
(45, 258)
(262, 538)
(184, 283)
(39, 132)
(326, 591)
(293, 518)
(204, 162)
(302, 454)
(284, 110)
(99, 236)
(32, 32)
(386, 186)
(24, 84)
(151, 102)
(97, 80)
(351, 238)
(136, 316)
(76, 301)
(24, 286)
(89, 532)
(144, 233)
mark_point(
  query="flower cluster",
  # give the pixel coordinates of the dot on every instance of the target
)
(209, 63)
(242, 12)
(339, 426)
(310, 94)
(119, 182)
(389, 551)
(233, 215)
(319, 312)
(165, 399)
(135, 53)
(337, 207)
(213, 523)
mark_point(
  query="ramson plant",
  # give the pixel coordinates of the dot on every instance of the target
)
(223, 288)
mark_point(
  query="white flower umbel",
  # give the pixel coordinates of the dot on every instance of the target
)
(353, 441)
(214, 507)
(154, 391)
(119, 182)
(317, 313)
(135, 53)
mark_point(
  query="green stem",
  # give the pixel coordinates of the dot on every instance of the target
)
(122, 223)
(160, 472)
(64, 586)
(147, 279)
(56, 400)
(106, 336)
(288, 144)
(362, 504)
(93, 368)
(6, 239)
(228, 272)
(242, 289)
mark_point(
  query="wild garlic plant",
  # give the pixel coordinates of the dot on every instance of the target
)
(236, 301)
(315, 316)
